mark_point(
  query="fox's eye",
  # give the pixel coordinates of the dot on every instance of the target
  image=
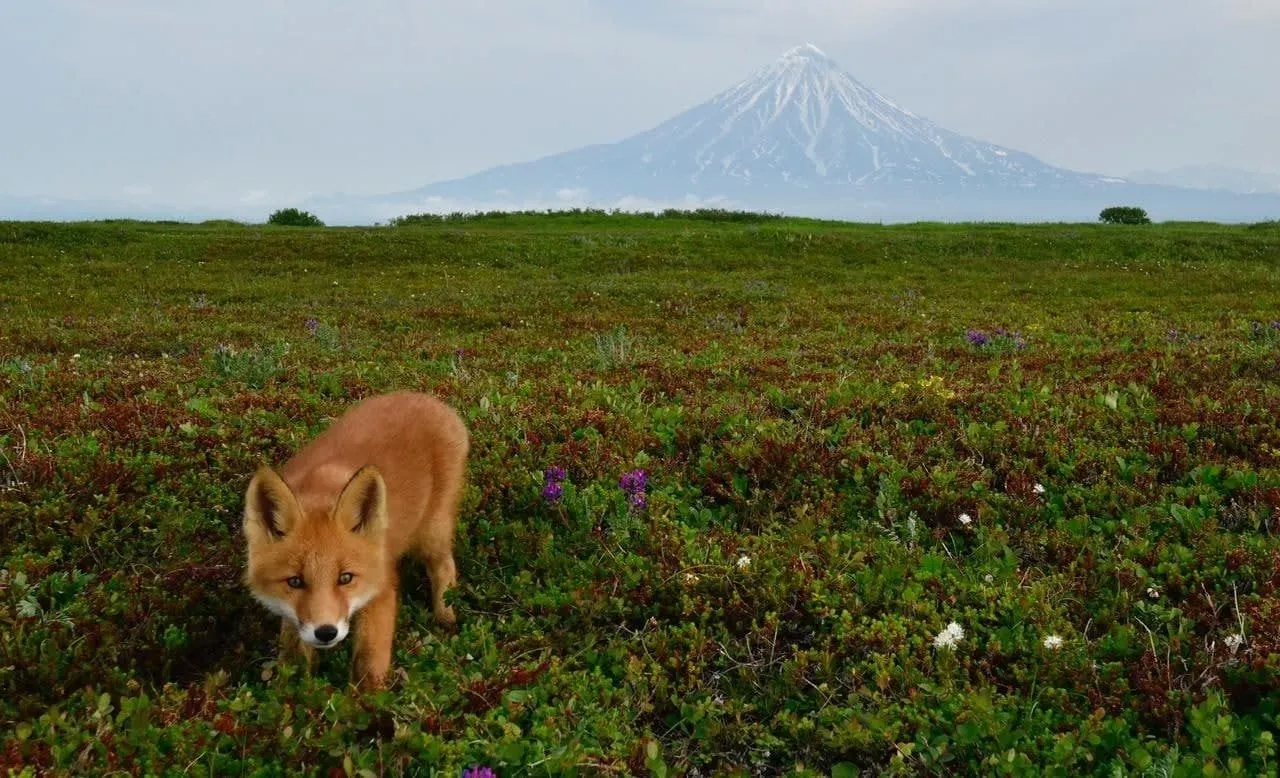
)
(345, 579)
(295, 582)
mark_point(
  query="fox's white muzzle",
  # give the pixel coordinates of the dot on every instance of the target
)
(323, 635)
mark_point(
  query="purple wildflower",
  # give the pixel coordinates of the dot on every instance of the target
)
(634, 484)
(634, 481)
(977, 338)
(1275, 325)
(313, 324)
(479, 772)
(553, 486)
(552, 491)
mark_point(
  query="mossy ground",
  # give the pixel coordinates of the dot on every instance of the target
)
(837, 469)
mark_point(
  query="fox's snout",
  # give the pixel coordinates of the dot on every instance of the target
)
(326, 634)
(323, 635)
(314, 630)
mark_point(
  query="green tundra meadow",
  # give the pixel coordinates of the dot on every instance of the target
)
(914, 500)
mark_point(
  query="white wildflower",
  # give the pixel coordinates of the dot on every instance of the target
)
(1039, 489)
(1153, 592)
(1234, 642)
(691, 578)
(989, 578)
(965, 519)
(948, 637)
(1053, 642)
(744, 562)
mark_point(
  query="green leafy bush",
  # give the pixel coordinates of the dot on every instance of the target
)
(1120, 214)
(292, 217)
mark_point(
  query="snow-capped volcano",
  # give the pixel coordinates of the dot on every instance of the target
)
(803, 122)
(798, 126)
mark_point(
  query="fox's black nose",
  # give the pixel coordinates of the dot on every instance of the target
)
(326, 633)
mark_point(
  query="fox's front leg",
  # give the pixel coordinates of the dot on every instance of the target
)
(377, 624)
(436, 547)
(444, 576)
(292, 647)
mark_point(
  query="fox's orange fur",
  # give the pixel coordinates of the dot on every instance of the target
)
(324, 535)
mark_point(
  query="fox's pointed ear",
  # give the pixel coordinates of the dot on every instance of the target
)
(270, 510)
(362, 507)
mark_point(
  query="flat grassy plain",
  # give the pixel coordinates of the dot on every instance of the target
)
(1062, 439)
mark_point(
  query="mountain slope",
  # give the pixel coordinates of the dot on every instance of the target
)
(799, 126)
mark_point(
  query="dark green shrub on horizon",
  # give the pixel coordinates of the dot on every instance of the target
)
(694, 214)
(1122, 214)
(292, 217)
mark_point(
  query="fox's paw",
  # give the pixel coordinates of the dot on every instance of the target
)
(371, 682)
(447, 619)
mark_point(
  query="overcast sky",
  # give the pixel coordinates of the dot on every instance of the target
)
(199, 103)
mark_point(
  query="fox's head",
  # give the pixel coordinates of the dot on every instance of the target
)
(316, 568)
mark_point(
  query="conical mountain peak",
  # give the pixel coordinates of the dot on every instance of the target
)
(798, 127)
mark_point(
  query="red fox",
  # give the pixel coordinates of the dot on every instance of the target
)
(325, 534)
